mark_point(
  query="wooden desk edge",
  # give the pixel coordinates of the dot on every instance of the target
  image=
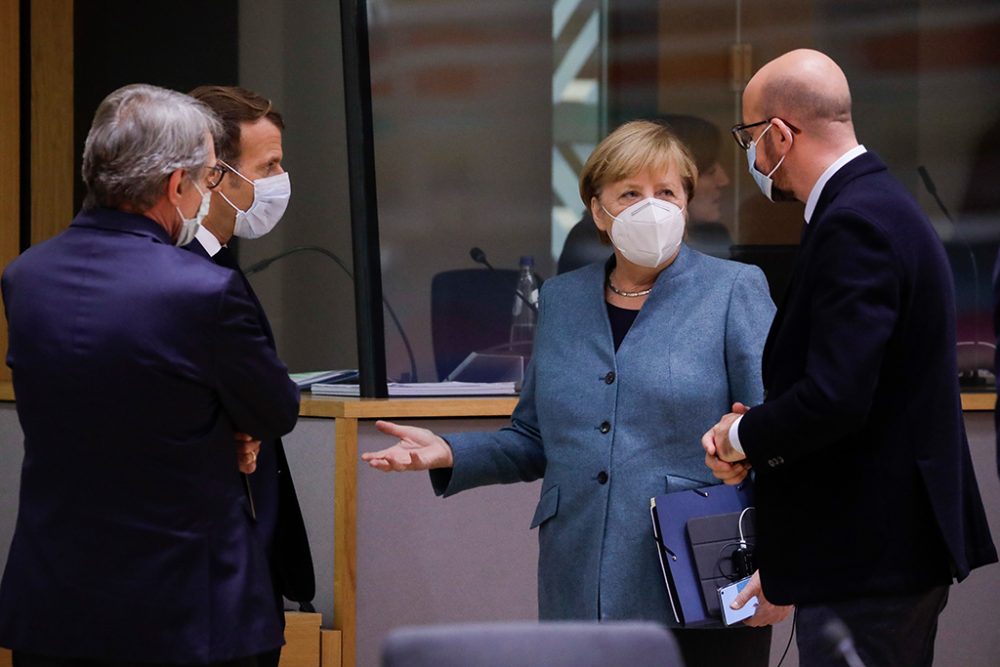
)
(397, 408)
(460, 406)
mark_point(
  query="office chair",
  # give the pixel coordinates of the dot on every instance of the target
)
(523, 644)
(470, 312)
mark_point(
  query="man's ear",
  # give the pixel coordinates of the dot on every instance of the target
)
(174, 182)
(785, 133)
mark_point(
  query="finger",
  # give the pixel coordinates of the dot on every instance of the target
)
(758, 620)
(379, 464)
(740, 408)
(708, 442)
(751, 589)
(400, 462)
(242, 437)
(396, 430)
(380, 454)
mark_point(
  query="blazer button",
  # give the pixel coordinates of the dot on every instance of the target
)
(604, 427)
(610, 377)
(602, 477)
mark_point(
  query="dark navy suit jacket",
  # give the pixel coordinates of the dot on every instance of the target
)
(864, 480)
(277, 506)
(996, 364)
(133, 363)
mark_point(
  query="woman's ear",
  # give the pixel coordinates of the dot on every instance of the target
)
(599, 216)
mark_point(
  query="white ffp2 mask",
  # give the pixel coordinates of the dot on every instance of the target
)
(648, 232)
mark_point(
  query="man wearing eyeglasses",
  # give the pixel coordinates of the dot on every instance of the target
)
(133, 363)
(250, 191)
(867, 503)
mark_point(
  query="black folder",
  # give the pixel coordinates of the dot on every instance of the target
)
(696, 533)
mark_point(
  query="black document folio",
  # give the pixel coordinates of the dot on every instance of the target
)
(696, 533)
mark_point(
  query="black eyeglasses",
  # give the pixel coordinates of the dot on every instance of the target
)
(215, 175)
(743, 137)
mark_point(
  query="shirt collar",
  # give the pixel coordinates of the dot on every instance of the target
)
(827, 175)
(208, 241)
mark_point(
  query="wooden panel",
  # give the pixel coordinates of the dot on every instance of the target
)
(330, 645)
(302, 648)
(10, 148)
(397, 408)
(345, 525)
(979, 401)
(51, 117)
(5, 659)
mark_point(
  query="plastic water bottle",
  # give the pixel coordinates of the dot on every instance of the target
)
(522, 325)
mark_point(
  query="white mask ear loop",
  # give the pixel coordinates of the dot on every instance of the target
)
(223, 195)
(770, 173)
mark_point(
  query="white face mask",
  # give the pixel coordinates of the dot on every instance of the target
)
(648, 232)
(189, 226)
(765, 183)
(270, 199)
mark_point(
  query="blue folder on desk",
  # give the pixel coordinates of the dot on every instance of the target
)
(693, 529)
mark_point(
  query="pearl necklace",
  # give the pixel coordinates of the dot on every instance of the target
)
(629, 295)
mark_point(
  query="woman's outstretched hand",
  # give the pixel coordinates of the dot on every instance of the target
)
(417, 449)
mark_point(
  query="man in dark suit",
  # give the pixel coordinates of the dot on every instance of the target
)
(867, 504)
(135, 364)
(249, 148)
(996, 353)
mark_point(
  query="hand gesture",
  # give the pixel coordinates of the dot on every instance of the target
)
(247, 449)
(767, 613)
(417, 449)
(725, 463)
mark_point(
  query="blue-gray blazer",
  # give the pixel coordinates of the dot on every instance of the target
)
(610, 430)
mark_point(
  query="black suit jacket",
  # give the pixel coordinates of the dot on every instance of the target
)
(865, 484)
(996, 363)
(279, 516)
(132, 361)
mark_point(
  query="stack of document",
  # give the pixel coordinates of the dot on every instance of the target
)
(424, 389)
(306, 380)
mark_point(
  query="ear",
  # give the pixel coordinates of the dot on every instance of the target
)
(785, 133)
(174, 182)
(598, 215)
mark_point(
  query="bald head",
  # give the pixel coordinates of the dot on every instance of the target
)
(805, 87)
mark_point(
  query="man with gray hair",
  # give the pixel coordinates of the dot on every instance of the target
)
(135, 365)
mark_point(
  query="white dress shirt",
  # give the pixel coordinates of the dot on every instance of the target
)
(208, 241)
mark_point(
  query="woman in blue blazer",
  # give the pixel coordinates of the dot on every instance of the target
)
(633, 360)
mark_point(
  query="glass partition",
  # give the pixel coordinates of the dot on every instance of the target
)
(485, 112)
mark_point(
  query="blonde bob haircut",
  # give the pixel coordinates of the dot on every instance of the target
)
(631, 149)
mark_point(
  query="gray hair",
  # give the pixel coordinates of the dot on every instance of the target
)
(140, 135)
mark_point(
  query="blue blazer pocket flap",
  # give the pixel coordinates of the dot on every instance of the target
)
(678, 483)
(547, 507)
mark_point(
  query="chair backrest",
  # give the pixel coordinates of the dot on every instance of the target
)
(470, 312)
(549, 644)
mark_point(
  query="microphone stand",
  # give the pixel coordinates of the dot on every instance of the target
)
(932, 189)
(479, 257)
(257, 267)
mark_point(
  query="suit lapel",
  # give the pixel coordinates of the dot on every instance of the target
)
(226, 258)
(862, 165)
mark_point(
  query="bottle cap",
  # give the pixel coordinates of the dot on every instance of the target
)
(527, 260)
